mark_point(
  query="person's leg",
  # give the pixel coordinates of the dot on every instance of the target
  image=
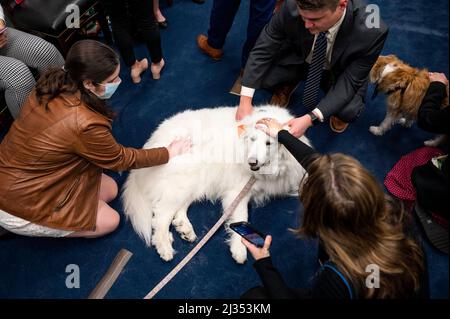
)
(121, 29)
(150, 32)
(353, 110)
(261, 12)
(162, 21)
(16, 81)
(32, 50)
(107, 218)
(220, 21)
(282, 80)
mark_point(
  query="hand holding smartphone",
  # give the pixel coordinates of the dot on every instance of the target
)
(249, 233)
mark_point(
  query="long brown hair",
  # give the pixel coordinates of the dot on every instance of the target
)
(86, 60)
(359, 225)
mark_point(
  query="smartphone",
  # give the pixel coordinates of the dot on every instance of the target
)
(248, 232)
(3, 30)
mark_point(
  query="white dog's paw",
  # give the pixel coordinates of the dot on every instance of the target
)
(165, 251)
(185, 229)
(376, 130)
(239, 252)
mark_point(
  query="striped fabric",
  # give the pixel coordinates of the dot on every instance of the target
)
(315, 72)
(21, 52)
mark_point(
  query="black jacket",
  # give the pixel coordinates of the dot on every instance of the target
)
(286, 41)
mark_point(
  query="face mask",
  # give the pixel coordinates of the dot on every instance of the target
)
(110, 88)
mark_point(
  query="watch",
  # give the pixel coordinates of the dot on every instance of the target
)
(314, 118)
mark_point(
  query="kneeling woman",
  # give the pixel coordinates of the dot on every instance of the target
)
(52, 159)
(359, 228)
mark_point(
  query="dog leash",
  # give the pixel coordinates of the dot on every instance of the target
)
(203, 241)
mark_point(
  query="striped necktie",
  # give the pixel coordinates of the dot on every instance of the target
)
(315, 72)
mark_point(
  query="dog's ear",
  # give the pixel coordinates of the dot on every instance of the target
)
(375, 72)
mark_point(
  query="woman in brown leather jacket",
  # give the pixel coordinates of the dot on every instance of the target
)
(52, 159)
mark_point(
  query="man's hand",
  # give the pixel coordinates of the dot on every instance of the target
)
(299, 125)
(258, 253)
(438, 77)
(245, 108)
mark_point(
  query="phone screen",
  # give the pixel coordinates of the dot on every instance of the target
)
(249, 233)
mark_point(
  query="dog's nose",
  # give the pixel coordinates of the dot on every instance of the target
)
(252, 161)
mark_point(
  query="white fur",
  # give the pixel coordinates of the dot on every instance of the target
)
(157, 196)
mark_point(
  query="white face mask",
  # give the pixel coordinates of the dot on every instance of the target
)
(110, 89)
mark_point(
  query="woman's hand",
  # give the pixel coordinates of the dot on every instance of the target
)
(269, 126)
(438, 77)
(179, 146)
(258, 253)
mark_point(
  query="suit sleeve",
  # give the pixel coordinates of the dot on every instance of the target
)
(351, 80)
(431, 117)
(265, 50)
(98, 146)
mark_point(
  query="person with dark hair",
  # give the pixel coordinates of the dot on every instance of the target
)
(329, 44)
(361, 231)
(125, 15)
(20, 51)
(52, 159)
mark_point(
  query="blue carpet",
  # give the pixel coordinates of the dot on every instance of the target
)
(35, 268)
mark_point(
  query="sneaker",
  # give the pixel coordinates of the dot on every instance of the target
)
(202, 42)
(337, 125)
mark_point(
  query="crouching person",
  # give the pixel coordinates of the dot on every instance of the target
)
(52, 159)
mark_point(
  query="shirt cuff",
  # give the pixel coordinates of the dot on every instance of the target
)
(245, 91)
(319, 114)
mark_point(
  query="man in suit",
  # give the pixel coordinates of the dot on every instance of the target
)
(329, 43)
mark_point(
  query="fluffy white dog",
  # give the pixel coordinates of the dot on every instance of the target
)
(220, 163)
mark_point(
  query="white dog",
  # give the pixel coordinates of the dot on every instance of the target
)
(220, 163)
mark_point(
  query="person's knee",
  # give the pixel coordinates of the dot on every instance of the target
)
(108, 189)
(352, 110)
(108, 219)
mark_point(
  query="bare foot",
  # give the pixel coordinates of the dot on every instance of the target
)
(156, 69)
(137, 68)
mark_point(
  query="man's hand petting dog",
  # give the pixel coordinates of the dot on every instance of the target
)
(256, 252)
(179, 146)
(438, 77)
(245, 108)
(299, 125)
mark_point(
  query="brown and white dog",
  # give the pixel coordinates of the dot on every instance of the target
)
(405, 88)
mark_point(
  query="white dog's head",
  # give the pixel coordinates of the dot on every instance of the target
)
(261, 150)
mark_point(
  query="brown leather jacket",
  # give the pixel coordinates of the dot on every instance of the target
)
(51, 163)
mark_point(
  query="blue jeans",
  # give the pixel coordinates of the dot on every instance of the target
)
(222, 17)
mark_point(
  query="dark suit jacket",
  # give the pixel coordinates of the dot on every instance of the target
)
(286, 41)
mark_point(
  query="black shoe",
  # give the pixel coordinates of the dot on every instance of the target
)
(436, 234)
(163, 24)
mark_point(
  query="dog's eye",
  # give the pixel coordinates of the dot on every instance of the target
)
(253, 139)
(268, 143)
